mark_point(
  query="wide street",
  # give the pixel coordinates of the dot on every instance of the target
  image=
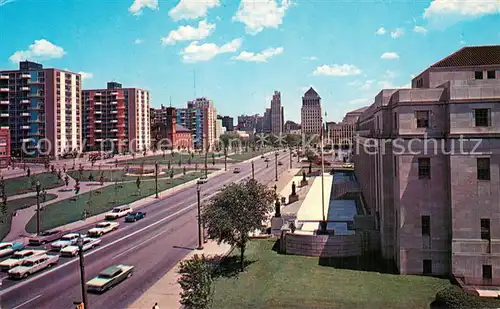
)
(153, 245)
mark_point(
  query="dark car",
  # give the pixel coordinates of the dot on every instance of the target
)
(262, 157)
(280, 163)
(134, 216)
(266, 160)
(236, 170)
(45, 237)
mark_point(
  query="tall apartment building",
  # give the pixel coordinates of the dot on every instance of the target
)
(117, 118)
(437, 199)
(311, 118)
(277, 117)
(227, 122)
(267, 121)
(199, 117)
(42, 109)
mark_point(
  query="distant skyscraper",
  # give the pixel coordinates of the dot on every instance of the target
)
(227, 122)
(248, 123)
(199, 116)
(267, 121)
(276, 114)
(311, 117)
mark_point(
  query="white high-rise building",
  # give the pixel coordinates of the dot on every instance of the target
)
(311, 120)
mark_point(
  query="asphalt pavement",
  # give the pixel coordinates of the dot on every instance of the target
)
(153, 245)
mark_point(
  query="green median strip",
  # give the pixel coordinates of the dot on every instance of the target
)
(24, 184)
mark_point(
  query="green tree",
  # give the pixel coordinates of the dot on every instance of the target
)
(168, 164)
(236, 211)
(196, 282)
(138, 184)
(184, 170)
(171, 174)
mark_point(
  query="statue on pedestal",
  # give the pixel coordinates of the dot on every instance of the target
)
(293, 197)
(277, 209)
(303, 182)
(293, 188)
(310, 168)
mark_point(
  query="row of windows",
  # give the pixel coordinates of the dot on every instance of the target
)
(424, 168)
(482, 118)
(480, 75)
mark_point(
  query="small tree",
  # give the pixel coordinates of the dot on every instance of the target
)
(91, 177)
(168, 164)
(189, 161)
(28, 172)
(101, 180)
(196, 167)
(196, 282)
(236, 211)
(184, 171)
(66, 180)
(171, 174)
(180, 162)
(138, 184)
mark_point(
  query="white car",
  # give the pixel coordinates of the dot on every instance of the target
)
(88, 243)
(67, 240)
(102, 228)
(32, 265)
(202, 180)
(19, 257)
(118, 212)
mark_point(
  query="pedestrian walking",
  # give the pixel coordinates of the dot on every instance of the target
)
(156, 306)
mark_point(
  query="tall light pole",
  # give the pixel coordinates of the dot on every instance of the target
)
(206, 167)
(156, 179)
(323, 223)
(276, 166)
(290, 150)
(200, 229)
(79, 242)
(253, 171)
(38, 207)
(225, 159)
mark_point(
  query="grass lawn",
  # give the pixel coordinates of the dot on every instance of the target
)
(174, 160)
(273, 281)
(21, 185)
(69, 210)
(14, 205)
(238, 157)
(120, 174)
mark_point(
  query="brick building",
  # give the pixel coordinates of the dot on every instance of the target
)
(437, 206)
(167, 127)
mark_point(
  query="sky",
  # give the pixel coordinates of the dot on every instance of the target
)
(238, 52)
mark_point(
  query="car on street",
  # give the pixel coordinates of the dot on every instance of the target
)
(45, 237)
(134, 216)
(262, 156)
(118, 212)
(347, 165)
(7, 248)
(280, 163)
(236, 170)
(17, 258)
(203, 179)
(67, 240)
(88, 243)
(109, 277)
(294, 155)
(267, 160)
(33, 265)
(102, 228)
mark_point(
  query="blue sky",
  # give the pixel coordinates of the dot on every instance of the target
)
(243, 51)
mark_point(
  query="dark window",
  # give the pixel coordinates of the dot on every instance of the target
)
(395, 166)
(396, 120)
(426, 225)
(483, 168)
(420, 83)
(491, 74)
(427, 269)
(478, 75)
(485, 229)
(487, 272)
(482, 116)
(424, 168)
(422, 119)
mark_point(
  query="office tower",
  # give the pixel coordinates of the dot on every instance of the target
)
(311, 118)
(276, 114)
(199, 117)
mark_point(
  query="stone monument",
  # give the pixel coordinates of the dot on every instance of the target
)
(293, 197)
(303, 182)
(277, 208)
(277, 220)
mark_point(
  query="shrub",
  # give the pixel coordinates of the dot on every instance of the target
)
(454, 297)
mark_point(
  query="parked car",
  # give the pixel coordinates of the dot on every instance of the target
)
(203, 179)
(134, 216)
(262, 156)
(17, 258)
(102, 228)
(7, 248)
(118, 212)
(280, 163)
(67, 240)
(267, 160)
(88, 243)
(109, 277)
(236, 170)
(32, 265)
(45, 237)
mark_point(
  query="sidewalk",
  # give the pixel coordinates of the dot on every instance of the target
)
(166, 291)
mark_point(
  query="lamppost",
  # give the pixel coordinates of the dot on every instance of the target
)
(225, 159)
(323, 223)
(79, 243)
(206, 167)
(290, 150)
(253, 171)
(156, 178)
(276, 166)
(200, 229)
(38, 207)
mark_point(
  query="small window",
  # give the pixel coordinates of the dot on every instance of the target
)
(482, 116)
(424, 168)
(487, 272)
(485, 229)
(426, 225)
(420, 83)
(483, 168)
(422, 119)
(396, 120)
(491, 74)
(427, 267)
(478, 75)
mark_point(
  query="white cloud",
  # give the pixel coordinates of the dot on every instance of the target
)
(337, 70)
(359, 101)
(420, 29)
(397, 33)
(386, 84)
(138, 41)
(194, 52)
(367, 85)
(138, 5)
(86, 75)
(389, 56)
(189, 9)
(260, 14)
(380, 31)
(312, 58)
(189, 33)
(461, 9)
(39, 50)
(258, 57)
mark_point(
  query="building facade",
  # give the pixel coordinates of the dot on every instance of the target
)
(42, 109)
(227, 122)
(277, 117)
(117, 118)
(291, 126)
(428, 159)
(267, 121)
(167, 133)
(200, 118)
(311, 118)
(219, 129)
(341, 135)
(248, 123)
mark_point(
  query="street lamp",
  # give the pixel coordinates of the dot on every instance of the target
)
(200, 229)
(79, 243)
(156, 178)
(225, 159)
(206, 167)
(276, 165)
(38, 207)
(290, 150)
(323, 223)
(253, 171)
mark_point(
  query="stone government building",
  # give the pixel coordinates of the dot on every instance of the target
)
(438, 213)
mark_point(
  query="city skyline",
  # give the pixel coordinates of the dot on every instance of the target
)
(241, 52)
